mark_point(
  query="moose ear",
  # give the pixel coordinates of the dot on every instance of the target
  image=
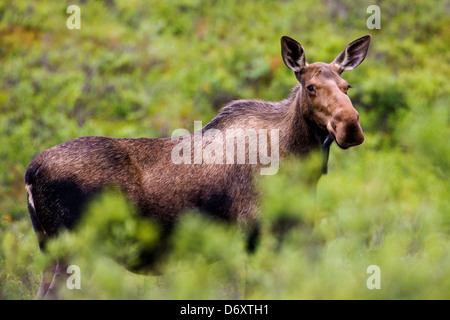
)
(293, 54)
(353, 55)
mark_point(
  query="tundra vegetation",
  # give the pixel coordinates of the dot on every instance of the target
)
(144, 69)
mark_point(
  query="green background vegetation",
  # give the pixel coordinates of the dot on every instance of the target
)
(145, 68)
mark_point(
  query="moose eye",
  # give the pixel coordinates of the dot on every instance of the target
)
(311, 89)
(346, 90)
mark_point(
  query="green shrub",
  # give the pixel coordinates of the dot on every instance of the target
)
(139, 68)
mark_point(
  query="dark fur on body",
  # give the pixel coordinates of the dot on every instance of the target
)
(66, 176)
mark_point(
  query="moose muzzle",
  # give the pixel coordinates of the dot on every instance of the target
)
(345, 128)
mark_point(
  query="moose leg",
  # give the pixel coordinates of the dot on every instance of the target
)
(253, 234)
(59, 277)
(249, 224)
(46, 280)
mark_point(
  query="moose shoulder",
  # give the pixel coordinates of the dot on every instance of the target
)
(61, 180)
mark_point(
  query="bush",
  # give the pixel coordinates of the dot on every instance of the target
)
(139, 69)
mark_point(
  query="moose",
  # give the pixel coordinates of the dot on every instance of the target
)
(61, 180)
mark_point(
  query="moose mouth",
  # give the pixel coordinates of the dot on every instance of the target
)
(330, 138)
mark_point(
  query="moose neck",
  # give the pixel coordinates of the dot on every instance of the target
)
(301, 135)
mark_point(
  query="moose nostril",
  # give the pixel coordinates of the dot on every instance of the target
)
(352, 128)
(333, 125)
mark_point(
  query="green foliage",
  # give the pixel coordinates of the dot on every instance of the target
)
(111, 237)
(108, 228)
(138, 68)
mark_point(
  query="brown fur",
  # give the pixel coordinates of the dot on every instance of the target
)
(61, 180)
